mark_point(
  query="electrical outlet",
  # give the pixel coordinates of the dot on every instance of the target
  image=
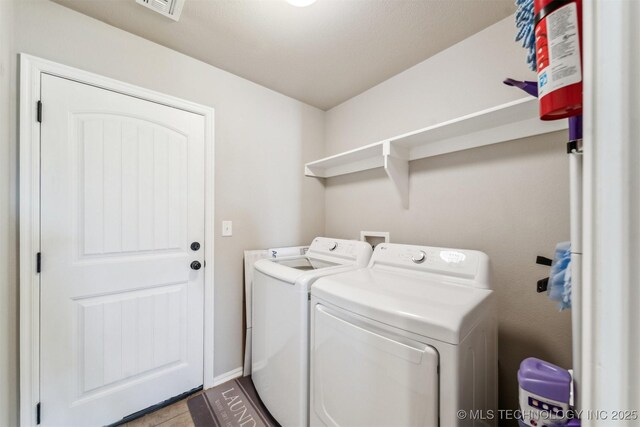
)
(227, 228)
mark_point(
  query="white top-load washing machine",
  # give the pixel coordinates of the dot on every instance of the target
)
(250, 258)
(408, 341)
(280, 351)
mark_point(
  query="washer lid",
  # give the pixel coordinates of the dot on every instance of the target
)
(325, 256)
(442, 311)
(304, 263)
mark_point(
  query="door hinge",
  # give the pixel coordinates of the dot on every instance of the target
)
(38, 262)
(38, 413)
(39, 111)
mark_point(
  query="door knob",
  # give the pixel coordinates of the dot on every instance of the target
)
(195, 265)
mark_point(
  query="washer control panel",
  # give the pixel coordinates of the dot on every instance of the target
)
(352, 250)
(336, 246)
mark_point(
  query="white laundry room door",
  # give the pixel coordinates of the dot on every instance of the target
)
(122, 200)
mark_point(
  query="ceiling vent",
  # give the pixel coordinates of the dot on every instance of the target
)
(169, 8)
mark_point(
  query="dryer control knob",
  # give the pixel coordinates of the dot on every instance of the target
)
(419, 257)
(333, 246)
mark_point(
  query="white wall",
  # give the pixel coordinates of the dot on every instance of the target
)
(8, 222)
(262, 141)
(509, 200)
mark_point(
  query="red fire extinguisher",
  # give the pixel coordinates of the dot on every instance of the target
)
(558, 32)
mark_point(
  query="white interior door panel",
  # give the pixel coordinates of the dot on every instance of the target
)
(122, 198)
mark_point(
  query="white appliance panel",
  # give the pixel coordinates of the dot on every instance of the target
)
(280, 331)
(279, 366)
(394, 379)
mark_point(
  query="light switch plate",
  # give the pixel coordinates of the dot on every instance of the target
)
(227, 228)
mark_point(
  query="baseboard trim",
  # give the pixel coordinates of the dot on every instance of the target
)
(227, 376)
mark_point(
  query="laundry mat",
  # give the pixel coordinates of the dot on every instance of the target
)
(232, 404)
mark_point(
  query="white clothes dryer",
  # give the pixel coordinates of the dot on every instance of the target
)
(408, 341)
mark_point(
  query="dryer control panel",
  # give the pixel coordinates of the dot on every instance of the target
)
(460, 263)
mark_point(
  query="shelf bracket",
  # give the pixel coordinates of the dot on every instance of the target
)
(396, 165)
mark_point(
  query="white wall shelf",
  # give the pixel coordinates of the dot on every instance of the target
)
(506, 122)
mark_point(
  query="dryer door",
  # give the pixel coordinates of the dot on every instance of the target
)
(364, 374)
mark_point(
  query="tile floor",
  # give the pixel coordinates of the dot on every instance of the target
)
(175, 415)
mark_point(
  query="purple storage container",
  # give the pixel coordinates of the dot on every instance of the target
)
(545, 379)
